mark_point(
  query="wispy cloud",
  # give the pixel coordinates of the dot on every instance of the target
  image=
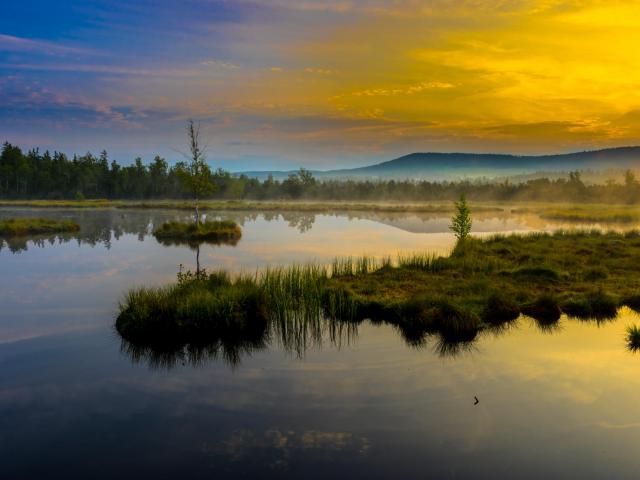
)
(314, 79)
(29, 101)
(320, 71)
(11, 43)
(218, 63)
(106, 69)
(406, 90)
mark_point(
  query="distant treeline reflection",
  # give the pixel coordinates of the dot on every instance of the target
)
(101, 227)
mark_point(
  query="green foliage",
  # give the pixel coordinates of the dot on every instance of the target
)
(55, 176)
(33, 226)
(479, 287)
(461, 222)
(225, 230)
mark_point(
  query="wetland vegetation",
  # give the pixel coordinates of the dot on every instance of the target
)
(483, 284)
(593, 213)
(633, 338)
(221, 231)
(16, 227)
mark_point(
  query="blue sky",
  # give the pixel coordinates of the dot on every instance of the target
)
(319, 83)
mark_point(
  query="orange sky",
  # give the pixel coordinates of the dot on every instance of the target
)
(340, 82)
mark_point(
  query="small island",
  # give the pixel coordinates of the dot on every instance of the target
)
(221, 231)
(17, 227)
(483, 284)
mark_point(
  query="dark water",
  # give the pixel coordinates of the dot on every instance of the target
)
(356, 402)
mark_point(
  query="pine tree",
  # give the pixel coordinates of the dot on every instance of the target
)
(461, 221)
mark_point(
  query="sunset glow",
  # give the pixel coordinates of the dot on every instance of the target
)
(283, 83)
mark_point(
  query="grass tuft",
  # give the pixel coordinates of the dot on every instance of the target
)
(544, 309)
(596, 305)
(500, 309)
(633, 338)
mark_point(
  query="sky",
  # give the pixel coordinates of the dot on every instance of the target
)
(320, 84)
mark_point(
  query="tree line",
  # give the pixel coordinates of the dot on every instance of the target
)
(56, 176)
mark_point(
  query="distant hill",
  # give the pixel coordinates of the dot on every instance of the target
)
(441, 166)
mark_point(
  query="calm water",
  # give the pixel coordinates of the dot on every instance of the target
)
(360, 402)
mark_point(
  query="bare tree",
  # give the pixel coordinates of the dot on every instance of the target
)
(196, 177)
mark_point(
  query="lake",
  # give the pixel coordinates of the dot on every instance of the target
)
(359, 402)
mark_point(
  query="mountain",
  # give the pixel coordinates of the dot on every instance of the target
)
(442, 166)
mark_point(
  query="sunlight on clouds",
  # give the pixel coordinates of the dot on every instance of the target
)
(312, 80)
(557, 71)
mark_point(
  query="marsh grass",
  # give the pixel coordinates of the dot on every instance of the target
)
(312, 206)
(210, 230)
(483, 285)
(595, 305)
(198, 304)
(584, 213)
(305, 206)
(16, 227)
(633, 338)
(595, 213)
(99, 203)
(545, 310)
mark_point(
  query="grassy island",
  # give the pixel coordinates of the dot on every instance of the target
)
(225, 231)
(587, 213)
(15, 227)
(483, 284)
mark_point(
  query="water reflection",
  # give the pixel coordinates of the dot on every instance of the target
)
(235, 342)
(230, 348)
(103, 227)
(297, 336)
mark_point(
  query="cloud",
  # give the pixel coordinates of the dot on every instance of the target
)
(407, 90)
(11, 43)
(218, 63)
(339, 6)
(315, 80)
(29, 102)
(319, 71)
(104, 69)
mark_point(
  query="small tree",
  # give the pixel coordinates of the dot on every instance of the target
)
(196, 176)
(461, 221)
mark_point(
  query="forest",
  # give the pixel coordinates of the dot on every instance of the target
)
(36, 175)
